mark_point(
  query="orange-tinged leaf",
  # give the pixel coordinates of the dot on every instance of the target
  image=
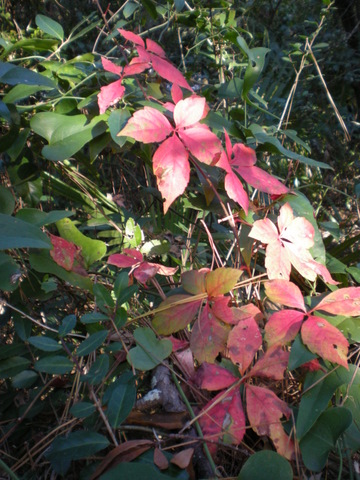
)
(264, 231)
(172, 170)
(193, 281)
(345, 301)
(213, 377)
(285, 293)
(208, 337)
(148, 126)
(272, 364)
(283, 326)
(201, 142)
(225, 420)
(265, 411)
(175, 317)
(233, 315)
(325, 340)
(189, 111)
(243, 342)
(183, 458)
(221, 281)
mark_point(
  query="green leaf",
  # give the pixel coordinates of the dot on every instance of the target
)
(56, 365)
(130, 471)
(121, 283)
(319, 388)
(66, 134)
(93, 317)
(266, 465)
(40, 218)
(24, 379)
(7, 201)
(150, 7)
(10, 273)
(231, 89)
(45, 343)
(49, 26)
(103, 298)
(13, 75)
(74, 446)
(299, 354)
(31, 44)
(12, 366)
(221, 281)
(15, 233)
(255, 66)
(82, 409)
(149, 351)
(21, 91)
(92, 250)
(122, 400)
(67, 325)
(97, 371)
(316, 445)
(126, 294)
(91, 343)
(117, 121)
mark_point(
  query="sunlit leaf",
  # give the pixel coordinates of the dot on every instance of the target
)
(213, 377)
(286, 293)
(148, 126)
(221, 281)
(283, 326)
(244, 341)
(175, 317)
(345, 301)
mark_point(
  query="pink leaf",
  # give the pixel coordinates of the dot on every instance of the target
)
(154, 47)
(132, 37)
(145, 271)
(283, 326)
(225, 420)
(172, 170)
(170, 73)
(262, 180)
(264, 231)
(109, 95)
(285, 293)
(243, 343)
(129, 258)
(202, 143)
(189, 111)
(178, 344)
(208, 337)
(228, 146)
(213, 377)
(233, 315)
(176, 93)
(313, 366)
(299, 232)
(175, 317)
(345, 301)
(166, 271)
(221, 281)
(243, 156)
(236, 191)
(325, 340)
(272, 364)
(265, 411)
(111, 67)
(277, 261)
(148, 126)
(136, 65)
(183, 458)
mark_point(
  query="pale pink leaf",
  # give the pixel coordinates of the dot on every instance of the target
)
(132, 37)
(176, 93)
(299, 232)
(167, 71)
(286, 216)
(154, 47)
(285, 293)
(345, 301)
(189, 111)
(128, 258)
(321, 270)
(213, 377)
(109, 95)
(148, 126)
(272, 364)
(264, 231)
(172, 170)
(283, 326)
(277, 261)
(243, 342)
(166, 271)
(111, 67)
(265, 411)
(325, 340)
(223, 419)
(175, 317)
(263, 181)
(208, 337)
(221, 281)
(202, 143)
(169, 106)
(236, 191)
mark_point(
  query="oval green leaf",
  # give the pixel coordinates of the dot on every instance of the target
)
(56, 365)
(49, 26)
(91, 343)
(266, 465)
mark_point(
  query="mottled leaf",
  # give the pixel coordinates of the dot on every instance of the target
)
(244, 341)
(283, 326)
(345, 301)
(272, 364)
(189, 111)
(285, 293)
(175, 317)
(202, 143)
(221, 281)
(213, 377)
(148, 126)
(193, 281)
(128, 258)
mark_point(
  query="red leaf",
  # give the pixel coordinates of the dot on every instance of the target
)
(176, 93)
(193, 281)
(283, 326)
(225, 420)
(148, 126)
(244, 341)
(128, 258)
(178, 344)
(264, 411)
(132, 37)
(285, 293)
(345, 301)
(262, 180)
(208, 337)
(272, 364)
(313, 366)
(201, 142)
(244, 156)
(213, 377)
(221, 281)
(170, 73)
(172, 170)
(325, 340)
(111, 67)
(63, 252)
(233, 315)
(175, 317)
(109, 95)
(145, 271)
(183, 458)
(136, 65)
(154, 47)
(235, 190)
(189, 111)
